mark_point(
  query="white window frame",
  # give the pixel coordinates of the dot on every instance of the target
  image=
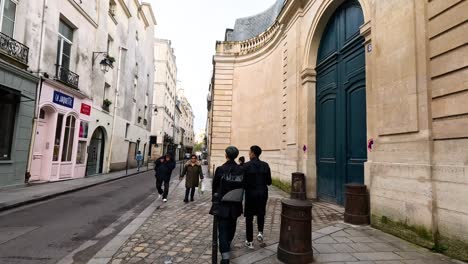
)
(71, 138)
(2, 9)
(62, 38)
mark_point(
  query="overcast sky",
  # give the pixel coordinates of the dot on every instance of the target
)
(194, 26)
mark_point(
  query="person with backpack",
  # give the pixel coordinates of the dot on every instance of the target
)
(164, 167)
(228, 192)
(194, 172)
(257, 177)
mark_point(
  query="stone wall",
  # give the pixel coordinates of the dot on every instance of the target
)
(416, 72)
(448, 73)
(12, 171)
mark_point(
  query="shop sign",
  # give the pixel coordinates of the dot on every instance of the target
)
(63, 99)
(85, 109)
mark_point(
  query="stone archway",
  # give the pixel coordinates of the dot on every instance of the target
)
(326, 11)
(341, 104)
(96, 152)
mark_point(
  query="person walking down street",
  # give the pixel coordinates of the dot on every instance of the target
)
(257, 178)
(164, 167)
(139, 160)
(242, 161)
(194, 173)
(228, 192)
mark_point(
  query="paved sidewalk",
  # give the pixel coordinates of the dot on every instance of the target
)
(30, 193)
(175, 232)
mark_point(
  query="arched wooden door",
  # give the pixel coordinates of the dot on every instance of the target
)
(341, 104)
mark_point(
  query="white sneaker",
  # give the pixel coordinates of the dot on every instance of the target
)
(260, 236)
(249, 244)
(165, 200)
(160, 196)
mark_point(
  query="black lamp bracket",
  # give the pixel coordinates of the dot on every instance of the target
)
(96, 55)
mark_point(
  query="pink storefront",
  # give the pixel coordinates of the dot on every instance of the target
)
(60, 145)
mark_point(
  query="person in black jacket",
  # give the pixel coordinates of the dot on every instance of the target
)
(164, 167)
(257, 177)
(241, 161)
(227, 212)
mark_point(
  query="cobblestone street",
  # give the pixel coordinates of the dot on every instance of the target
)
(181, 233)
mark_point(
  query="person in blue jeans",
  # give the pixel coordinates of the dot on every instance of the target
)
(226, 211)
(139, 159)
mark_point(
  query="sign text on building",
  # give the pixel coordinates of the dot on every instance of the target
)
(63, 99)
(85, 109)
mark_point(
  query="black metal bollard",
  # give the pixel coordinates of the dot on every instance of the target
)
(357, 205)
(295, 245)
(180, 168)
(214, 239)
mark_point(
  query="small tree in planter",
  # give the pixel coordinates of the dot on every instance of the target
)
(105, 104)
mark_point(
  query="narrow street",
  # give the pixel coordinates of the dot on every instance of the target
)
(176, 232)
(73, 227)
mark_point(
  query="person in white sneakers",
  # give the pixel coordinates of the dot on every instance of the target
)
(164, 167)
(257, 177)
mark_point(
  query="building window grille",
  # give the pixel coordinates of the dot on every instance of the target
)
(64, 48)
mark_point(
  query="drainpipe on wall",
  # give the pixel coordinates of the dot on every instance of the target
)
(115, 108)
(38, 95)
(27, 175)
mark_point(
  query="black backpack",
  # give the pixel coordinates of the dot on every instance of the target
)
(232, 186)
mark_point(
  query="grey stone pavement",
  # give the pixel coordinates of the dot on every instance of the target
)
(175, 232)
(29, 193)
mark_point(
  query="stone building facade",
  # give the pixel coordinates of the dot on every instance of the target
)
(18, 91)
(186, 122)
(364, 91)
(164, 99)
(178, 153)
(91, 119)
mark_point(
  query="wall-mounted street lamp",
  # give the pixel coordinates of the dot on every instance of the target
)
(106, 63)
(155, 107)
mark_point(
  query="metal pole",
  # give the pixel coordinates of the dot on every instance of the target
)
(180, 168)
(214, 239)
(126, 165)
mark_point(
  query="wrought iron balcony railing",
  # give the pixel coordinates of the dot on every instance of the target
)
(67, 77)
(14, 49)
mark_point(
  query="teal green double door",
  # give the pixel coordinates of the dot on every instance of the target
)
(341, 104)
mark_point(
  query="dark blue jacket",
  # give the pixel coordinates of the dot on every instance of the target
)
(257, 177)
(164, 169)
